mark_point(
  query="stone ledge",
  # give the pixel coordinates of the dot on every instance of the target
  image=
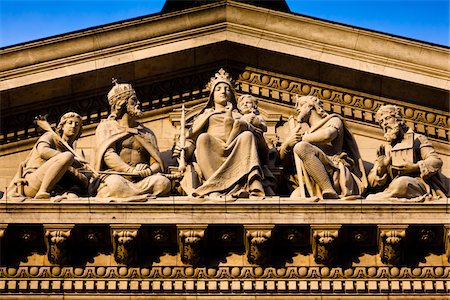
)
(185, 210)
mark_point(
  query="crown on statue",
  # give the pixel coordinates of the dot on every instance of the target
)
(221, 76)
(119, 90)
(388, 110)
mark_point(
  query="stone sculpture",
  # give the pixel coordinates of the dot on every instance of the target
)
(53, 167)
(408, 167)
(327, 159)
(222, 148)
(126, 151)
(248, 107)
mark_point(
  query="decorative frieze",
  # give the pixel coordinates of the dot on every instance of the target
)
(391, 243)
(324, 240)
(303, 281)
(125, 243)
(191, 241)
(57, 242)
(267, 85)
(351, 105)
(258, 243)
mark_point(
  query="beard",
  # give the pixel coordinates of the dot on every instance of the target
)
(134, 111)
(391, 134)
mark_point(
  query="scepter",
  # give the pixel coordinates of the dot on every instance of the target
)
(42, 123)
(181, 159)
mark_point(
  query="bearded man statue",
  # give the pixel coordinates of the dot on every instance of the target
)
(127, 151)
(408, 167)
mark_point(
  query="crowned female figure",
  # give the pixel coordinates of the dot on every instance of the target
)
(222, 148)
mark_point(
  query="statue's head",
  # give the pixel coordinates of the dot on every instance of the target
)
(122, 99)
(391, 121)
(70, 124)
(221, 89)
(247, 104)
(305, 104)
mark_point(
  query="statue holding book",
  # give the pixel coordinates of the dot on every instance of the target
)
(408, 166)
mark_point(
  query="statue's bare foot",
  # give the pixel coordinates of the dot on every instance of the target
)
(42, 196)
(330, 194)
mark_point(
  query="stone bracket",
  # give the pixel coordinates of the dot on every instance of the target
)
(125, 243)
(2, 230)
(191, 242)
(57, 240)
(391, 243)
(324, 239)
(258, 240)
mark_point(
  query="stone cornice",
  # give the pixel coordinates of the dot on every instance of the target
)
(328, 42)
(292, 282)
(185, 210)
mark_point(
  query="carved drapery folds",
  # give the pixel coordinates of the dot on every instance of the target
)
(125, 243)
(56, 241)
(391, 241)
(325, 243)
(191, 240)
(258, 243)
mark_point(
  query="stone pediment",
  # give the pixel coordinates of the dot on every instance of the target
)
(183, 245)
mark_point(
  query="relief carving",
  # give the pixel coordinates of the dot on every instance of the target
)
(326, 157)
(391, 245)
(191, 242)
(57, 240)
(324, 243)
(258, 244)
(407, 167)
(125, 244)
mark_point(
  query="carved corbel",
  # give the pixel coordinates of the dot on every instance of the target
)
(125, 243)
(391, 241)
(325, 243)
(2, 231)
(447, 241)
(190, 241)
(258, 243)
(56, 241)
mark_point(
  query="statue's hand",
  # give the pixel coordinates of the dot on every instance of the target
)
(229, 106)
(144, 173)
(176, 150)
(293, 139)
(381, 164)
(141, 167)
(408, 168)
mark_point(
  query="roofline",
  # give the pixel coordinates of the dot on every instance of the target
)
(161, 13)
